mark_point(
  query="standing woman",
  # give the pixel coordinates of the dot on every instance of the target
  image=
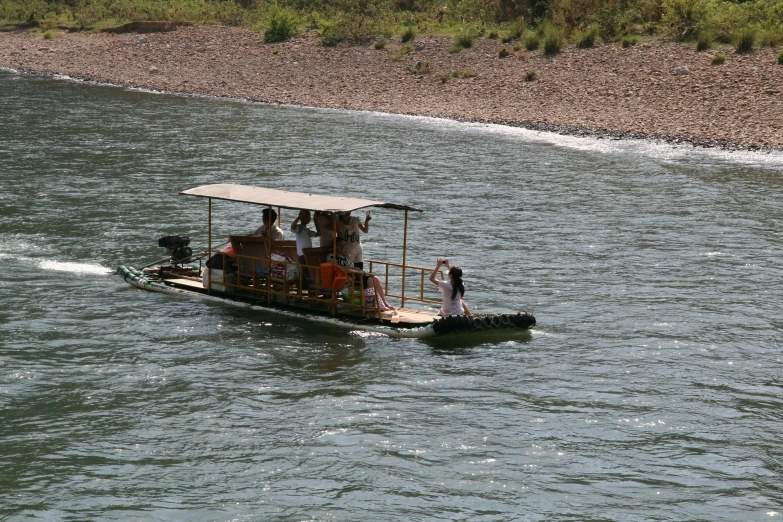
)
(350, 228)
(452, 290)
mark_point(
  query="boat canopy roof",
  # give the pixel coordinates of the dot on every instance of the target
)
(284, 199)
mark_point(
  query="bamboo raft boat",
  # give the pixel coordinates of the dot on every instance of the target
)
(259, 273)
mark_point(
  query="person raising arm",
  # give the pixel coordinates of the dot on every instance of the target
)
(451, 290)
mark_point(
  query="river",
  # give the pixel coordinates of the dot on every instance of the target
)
(649, 390)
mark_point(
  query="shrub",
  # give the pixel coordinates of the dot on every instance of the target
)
(531, 76)
(587, 38)
(493, 34)
(629, 40)
(780, 58)
(421, 68)
(770, 38)
(516, 29)
(503, 53)
(48, 35)
(408, 34)
(553, 40)
(718, 59)
(704, 41)
(532, 42)
(380, 44)
(331, 34)
(746, 40)
(403, 51)
(282, 24)
(463, 41)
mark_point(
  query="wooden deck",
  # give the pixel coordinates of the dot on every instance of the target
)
(401, 315)
(410, 316)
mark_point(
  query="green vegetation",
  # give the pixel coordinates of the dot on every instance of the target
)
(532, 42)
(746, 40)
(587, 38)
(380, 44)
(403, 51)
(420, 68)
(629, 40)
(463, 41)
(780, 58)
(503, 52)
(282, 24)
(704, 41)
(531, 76)
(515, 30)
(408, 34)
(553, 38)
(584, 22)
(459, 73)
(718, 59)
(49, 34)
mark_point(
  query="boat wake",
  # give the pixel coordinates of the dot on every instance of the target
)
(75, 268)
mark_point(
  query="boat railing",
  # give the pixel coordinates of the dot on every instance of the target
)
(268, 277)
(400, 271)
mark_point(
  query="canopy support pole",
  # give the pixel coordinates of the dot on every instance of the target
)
(404, 256)
(269, 254)
(209, 244)
(334, 258)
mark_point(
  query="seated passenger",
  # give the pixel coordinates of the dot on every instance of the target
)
(269, 216)
(372, 285)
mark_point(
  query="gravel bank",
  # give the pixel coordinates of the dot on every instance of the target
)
(607, 91)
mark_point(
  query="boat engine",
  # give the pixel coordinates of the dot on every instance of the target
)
(177, 247)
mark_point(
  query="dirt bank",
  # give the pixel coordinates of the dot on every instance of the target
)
(606, 91)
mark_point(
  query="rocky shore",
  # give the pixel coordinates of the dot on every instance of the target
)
(657, 90)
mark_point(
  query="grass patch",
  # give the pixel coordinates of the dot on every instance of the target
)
(380, 44)
(704, 41)
(532, 42)
(531, 76)
(463, 41)
(420, 68)
(403, 51)
(503, 53)
(408, 33)
(515, 30)
(718, 59)
(780, 58)
(586, 39)
(330, 35)
(282, 24)
(49, 34)
(629, 40)
(770, 38)
(493, 34)
(554, 39)
(746, 40)
(459, 73)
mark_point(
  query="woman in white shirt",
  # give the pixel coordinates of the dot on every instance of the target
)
(452, 290)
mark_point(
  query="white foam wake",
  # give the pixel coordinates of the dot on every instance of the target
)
(75, 268)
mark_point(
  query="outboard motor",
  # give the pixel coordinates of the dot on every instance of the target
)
(177, 247)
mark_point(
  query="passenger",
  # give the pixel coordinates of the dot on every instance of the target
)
(323, 225)
(452, 302)
(269, 217)
(341, 260)
(349, 228)
(304, 239)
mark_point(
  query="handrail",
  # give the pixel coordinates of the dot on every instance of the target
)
(262, 284)
(403, 268)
